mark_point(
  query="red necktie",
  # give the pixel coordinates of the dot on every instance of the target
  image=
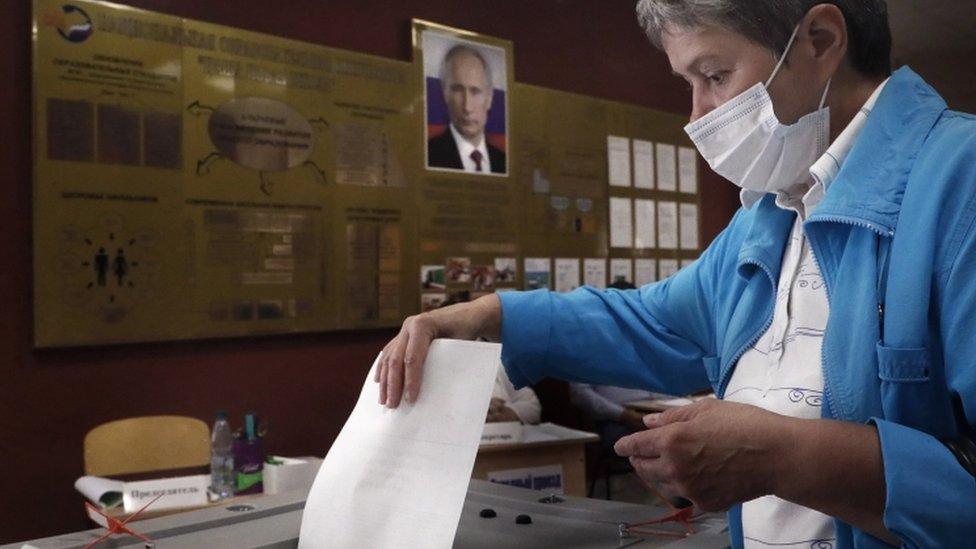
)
(476, 156)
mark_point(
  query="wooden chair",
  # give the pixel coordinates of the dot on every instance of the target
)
(150, 443)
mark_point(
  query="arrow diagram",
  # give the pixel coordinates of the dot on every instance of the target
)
(196, 109)
(319, 122)
(266, 184)
(203, 166)
(318, 171)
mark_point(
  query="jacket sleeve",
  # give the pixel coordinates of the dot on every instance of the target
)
(931, 498)
(653, 338)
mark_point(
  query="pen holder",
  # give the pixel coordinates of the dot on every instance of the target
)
(248, 466)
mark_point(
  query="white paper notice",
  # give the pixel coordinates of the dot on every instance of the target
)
(618, 161)
(667, 225)
(668, 267)
(567, 274)
(667, 176)
(537, 271)
(689, 226)
(687, 170)
(645, 223)
(398, 478)
(643, 164)
(621, 270)
(621, 226)
(645, 271)
(595, 272)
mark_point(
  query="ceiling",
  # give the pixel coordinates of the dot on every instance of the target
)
(937, 38)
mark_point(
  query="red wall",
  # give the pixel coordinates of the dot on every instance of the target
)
(306, 384)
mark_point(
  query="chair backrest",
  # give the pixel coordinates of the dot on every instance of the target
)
(150, 443)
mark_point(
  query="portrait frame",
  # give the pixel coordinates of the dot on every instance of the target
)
(430, 43)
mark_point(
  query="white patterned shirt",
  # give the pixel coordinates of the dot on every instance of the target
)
(782, 371)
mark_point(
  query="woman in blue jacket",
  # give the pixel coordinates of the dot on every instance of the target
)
(833, 316)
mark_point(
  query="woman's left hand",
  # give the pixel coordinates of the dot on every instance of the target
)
(714, 453)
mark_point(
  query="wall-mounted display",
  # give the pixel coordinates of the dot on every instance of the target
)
(193, 180)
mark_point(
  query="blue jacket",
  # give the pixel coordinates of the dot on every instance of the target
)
(895, 238)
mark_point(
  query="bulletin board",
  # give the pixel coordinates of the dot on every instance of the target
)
(193, 180)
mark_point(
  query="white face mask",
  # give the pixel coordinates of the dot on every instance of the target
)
(744, 142)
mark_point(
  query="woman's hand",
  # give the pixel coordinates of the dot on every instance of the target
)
(401, 367)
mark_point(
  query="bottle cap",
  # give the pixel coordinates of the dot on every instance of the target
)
(221, 414)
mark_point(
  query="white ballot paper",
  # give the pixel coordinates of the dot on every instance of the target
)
(398, 478)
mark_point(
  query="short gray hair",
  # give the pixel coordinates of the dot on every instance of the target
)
(770, 23)
(458, 49)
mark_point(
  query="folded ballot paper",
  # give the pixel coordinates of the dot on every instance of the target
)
(398, 478)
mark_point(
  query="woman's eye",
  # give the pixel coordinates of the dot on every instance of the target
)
(717, 78)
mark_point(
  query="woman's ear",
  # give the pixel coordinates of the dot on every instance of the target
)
(825, 30)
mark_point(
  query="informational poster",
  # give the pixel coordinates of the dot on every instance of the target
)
(645, 271)
(667, 217)
(667, 176)
(595, 272)
(689, 226)
(567, 274)
(621, 224)
(537, 273)
(618, 161)
(645, 223)
(621, 271)
(668, 267)
(687, 170)
(643, 164)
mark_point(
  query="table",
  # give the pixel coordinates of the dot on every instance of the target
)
(273, 522)
(544, 445)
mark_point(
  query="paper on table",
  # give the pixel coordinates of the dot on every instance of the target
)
(689, 226)
(644, 223)
(398, 478)
(595, 272)
(103, 491)
(618, 161)
(667, 177)
(621, 226)
(567, 274)
(667, 225)
(643, 164)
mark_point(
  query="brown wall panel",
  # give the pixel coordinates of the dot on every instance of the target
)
(305, 384)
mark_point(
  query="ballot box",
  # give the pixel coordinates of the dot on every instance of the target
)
(273, 522)
(546, 457)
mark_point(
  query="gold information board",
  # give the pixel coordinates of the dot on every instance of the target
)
(193, 180)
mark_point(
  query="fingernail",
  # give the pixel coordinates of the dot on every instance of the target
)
(409, 396)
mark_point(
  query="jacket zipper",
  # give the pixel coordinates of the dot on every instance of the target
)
(882, 232)
(728, 368)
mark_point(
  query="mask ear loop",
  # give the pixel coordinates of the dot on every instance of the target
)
(782, 58)
(823, 98)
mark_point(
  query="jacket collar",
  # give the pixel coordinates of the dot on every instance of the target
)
(871, 182)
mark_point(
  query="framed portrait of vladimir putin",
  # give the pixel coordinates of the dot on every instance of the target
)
(466, 82)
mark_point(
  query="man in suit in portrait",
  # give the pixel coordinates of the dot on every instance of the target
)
(467, 83)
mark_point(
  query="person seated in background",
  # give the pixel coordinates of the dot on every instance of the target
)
(605, 405)
(511, 404)
(507, 402)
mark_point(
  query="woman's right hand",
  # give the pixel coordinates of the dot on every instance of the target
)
(401, 366)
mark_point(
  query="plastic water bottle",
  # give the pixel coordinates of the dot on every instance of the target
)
(222, 458)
